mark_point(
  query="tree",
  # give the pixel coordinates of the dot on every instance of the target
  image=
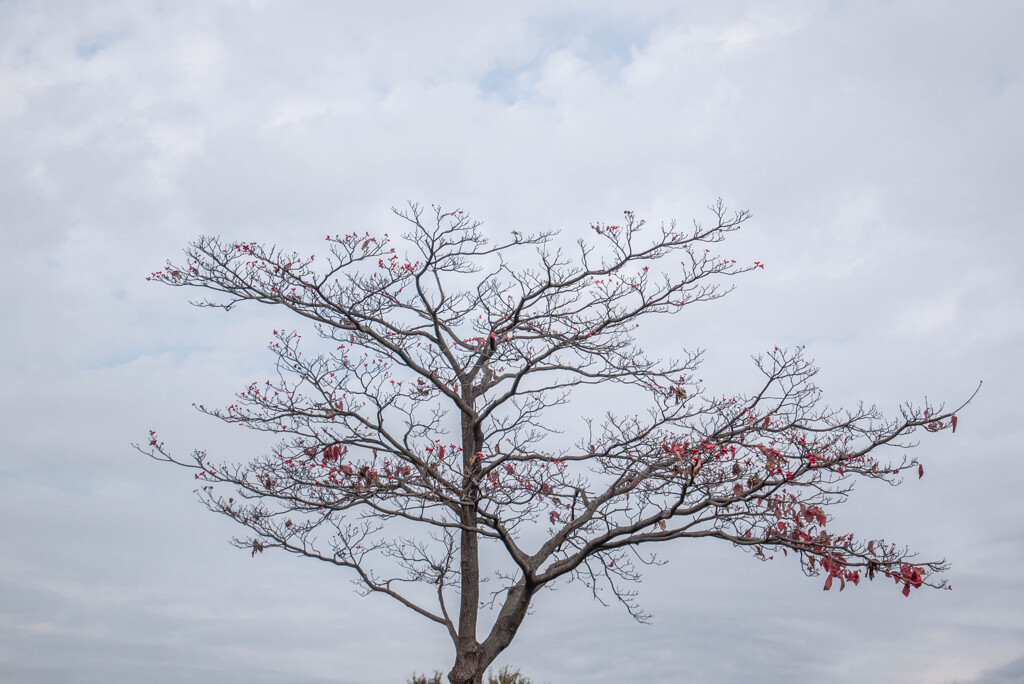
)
(416, 441)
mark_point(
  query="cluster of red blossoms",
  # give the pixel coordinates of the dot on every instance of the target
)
(910, 576)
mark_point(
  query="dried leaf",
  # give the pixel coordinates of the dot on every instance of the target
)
(662, 524)
(953, 420)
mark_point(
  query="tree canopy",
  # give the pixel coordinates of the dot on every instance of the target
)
(415, 438)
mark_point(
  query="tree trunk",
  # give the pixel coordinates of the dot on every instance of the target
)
(472, 658)
(470, 663)
(469, 667)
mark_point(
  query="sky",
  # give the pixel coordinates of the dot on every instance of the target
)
(878, 146)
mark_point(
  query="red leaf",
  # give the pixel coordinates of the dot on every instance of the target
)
(906, 589)
(920, 471)
(953, 420)
(828, 583)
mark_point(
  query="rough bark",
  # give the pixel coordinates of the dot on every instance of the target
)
(470, 663)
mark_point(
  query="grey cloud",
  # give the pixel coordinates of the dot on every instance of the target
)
(1010, 673)
(876, 144)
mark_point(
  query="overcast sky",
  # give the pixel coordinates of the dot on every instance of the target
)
(879, 146)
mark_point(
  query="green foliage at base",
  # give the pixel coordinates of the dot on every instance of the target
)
(505, 675)
(424, 679)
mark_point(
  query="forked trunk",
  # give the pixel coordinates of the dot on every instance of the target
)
(473, 659)
(470, 663)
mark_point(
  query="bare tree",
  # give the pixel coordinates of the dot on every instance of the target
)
(417, 441)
